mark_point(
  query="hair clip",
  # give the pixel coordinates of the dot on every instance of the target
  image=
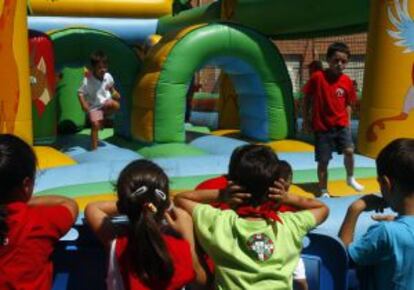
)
(151, 207)
(140, 190)
(160, 194)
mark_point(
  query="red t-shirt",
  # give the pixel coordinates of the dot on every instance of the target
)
(33, 232)
(180, 252)
(329, 100)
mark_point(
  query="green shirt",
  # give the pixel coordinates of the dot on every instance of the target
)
(251, 254)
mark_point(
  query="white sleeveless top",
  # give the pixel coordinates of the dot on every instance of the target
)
(113, 277)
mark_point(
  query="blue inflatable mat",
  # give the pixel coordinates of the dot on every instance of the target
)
(306, 160)
(338, 208)
(78, 174)
(217, 145)
(195, 165)
(108, 154)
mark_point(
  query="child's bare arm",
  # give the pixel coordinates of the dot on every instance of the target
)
(51, 200)
(190, 199)
(115, 94)
(349, 112)
(279, 193)
(98, 215)
(182, 223)
(233, 195)
(84, 104)
(365, 203)
(319, 210)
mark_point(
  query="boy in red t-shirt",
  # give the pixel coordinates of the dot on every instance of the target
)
(29, 226)
(329, 95)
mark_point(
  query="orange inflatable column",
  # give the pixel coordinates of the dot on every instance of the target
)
(388, 97)
(15, 102)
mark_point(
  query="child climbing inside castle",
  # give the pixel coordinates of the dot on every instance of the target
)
(30, 226)
(97, 94)
(157, 251)
(327, 107)
(258, 247)
(388, 245)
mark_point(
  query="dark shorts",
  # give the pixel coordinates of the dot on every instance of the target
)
(338, 139)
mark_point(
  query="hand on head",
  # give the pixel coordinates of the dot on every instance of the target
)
(279, 190)
(178, 219)
(234, 195)
(370, 202)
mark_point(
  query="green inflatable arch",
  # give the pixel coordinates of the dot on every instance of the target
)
(255, 66)
(73, 47)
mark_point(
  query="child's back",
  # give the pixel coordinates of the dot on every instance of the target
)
(388, 245)
(253, 247)
(150, 254)
(179, 251)
(252, 254)
(29, 227)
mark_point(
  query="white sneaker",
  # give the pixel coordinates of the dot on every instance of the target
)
(354, 184)
(325, 193)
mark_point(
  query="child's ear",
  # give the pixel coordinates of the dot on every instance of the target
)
(385, 183)
(28, 186)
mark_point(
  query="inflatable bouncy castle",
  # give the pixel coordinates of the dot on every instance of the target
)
(154, 54)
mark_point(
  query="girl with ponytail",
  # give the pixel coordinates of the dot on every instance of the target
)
(29, 226)
(157, 251)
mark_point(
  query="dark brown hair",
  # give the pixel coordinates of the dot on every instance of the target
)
(17, 162)
(149, 255)
(98, 57)
(396, 161)
(337, 46)
(254, 167)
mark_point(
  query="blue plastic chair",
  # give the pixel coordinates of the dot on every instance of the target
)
(79, 262)
(313, 266)
(326, 261)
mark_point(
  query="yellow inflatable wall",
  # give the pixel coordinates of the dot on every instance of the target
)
(15, 103)
(142, 115)
(102, 8)
(388, 97)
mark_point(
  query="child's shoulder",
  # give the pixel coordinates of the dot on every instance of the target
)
(345, 77)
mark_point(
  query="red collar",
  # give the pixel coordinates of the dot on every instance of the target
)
(267, 210)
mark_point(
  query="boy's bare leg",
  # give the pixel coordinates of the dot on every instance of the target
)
(349, 166)
(323, 177)
(110, 107)
(94, 134)
(349, 161)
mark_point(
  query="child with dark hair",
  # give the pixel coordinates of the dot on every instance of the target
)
(388, 245)
(329, 95)
(151, 255)
(242, 241)
(97, 94)
(29, 226)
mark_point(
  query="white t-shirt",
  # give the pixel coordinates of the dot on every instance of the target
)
(96, 92)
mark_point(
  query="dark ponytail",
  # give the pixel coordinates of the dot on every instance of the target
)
(148, 252)
(17, 162)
